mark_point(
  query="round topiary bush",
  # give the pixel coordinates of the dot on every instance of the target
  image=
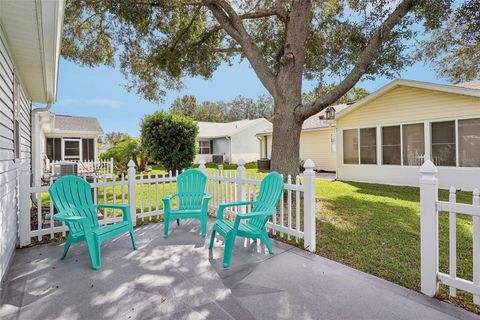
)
(170, 139)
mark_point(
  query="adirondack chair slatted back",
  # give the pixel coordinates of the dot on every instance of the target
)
(191, 186)
(271, 189)
(71, 196)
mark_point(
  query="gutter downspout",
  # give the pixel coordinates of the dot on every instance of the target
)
(36, 153)
(229, 149)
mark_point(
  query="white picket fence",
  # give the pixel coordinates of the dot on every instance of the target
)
(430, 207)
(295, 217)
(102, 167)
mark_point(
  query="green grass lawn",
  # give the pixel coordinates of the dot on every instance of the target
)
(376, 229)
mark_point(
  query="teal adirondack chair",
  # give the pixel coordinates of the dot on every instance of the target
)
(192, 200)
(73, 200)
(271, 189)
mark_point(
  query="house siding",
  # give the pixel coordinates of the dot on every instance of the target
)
(314, 145)
(404, 105)
(8, 165)
(245, 143)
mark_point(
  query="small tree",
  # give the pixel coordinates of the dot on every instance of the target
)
(124, 149)
(170, 139)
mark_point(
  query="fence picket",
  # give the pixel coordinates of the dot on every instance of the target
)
(52, 222)
(39, 214)
(142, 197)
(289, 204)
(452, 219)
(157, 198)
(297, 205)
(476, 245)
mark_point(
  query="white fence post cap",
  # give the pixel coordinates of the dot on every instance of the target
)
(241, 162)
(309, 165)
(428, 168)
(202, 161)
(131, 164)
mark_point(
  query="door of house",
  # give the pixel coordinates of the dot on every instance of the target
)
(72, 149)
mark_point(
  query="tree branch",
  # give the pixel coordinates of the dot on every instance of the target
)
(231, 22)
(184, 31)
(226, 50)
(368, 55)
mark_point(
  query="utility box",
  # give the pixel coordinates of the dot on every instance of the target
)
(263, 164)
(217, 158)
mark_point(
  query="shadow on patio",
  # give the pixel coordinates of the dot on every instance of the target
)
(179, 279)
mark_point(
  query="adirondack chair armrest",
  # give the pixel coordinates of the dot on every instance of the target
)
(124, 207)
(252, 214)
(65, 218)
(241, 216)
(223, 206)
(205, 200)
(170, 197)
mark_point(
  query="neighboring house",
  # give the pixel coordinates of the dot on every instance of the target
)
(67, 138)
(30, 36)
(231, 141)
(385, 137)
(317, 140)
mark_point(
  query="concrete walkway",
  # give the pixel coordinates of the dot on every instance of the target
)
(179, 279)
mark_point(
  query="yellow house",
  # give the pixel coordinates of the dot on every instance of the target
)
(386, 136)
(317, 140)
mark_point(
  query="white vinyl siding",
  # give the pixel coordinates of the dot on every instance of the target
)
(8, 165)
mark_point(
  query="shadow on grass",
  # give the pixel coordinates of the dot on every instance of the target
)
(376, 228)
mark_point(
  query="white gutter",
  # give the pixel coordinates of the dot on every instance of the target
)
(229, 148)
(36, 152)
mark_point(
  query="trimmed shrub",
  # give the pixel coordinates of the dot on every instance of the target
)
(169, 139)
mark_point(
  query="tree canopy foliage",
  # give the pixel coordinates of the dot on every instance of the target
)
(170, 140)
(220, 111)
(160, 42)
(454, 49)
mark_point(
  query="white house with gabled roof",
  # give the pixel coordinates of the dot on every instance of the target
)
(66, 138)
(230, 141)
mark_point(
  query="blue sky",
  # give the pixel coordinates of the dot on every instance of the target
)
(99, 92)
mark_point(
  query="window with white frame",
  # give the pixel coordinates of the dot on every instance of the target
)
(444, 143)
(391, 145)
(71, 149)
(469, 143)
(350, 146)
(204, 147)
(368, 146)
(413, 140)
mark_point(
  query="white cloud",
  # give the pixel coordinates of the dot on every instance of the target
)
(95, 102)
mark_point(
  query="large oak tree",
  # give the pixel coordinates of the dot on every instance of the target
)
(159, 42)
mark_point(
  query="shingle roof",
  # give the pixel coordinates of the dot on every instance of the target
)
(75, 123)
(224, 129)
(475, 84)
(314, 122)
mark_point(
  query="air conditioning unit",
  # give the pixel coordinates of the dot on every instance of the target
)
(217, 158)
(68, 169)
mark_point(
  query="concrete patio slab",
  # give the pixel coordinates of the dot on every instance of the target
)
(179, 278)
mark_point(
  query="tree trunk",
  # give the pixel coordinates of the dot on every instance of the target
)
(286, 139)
